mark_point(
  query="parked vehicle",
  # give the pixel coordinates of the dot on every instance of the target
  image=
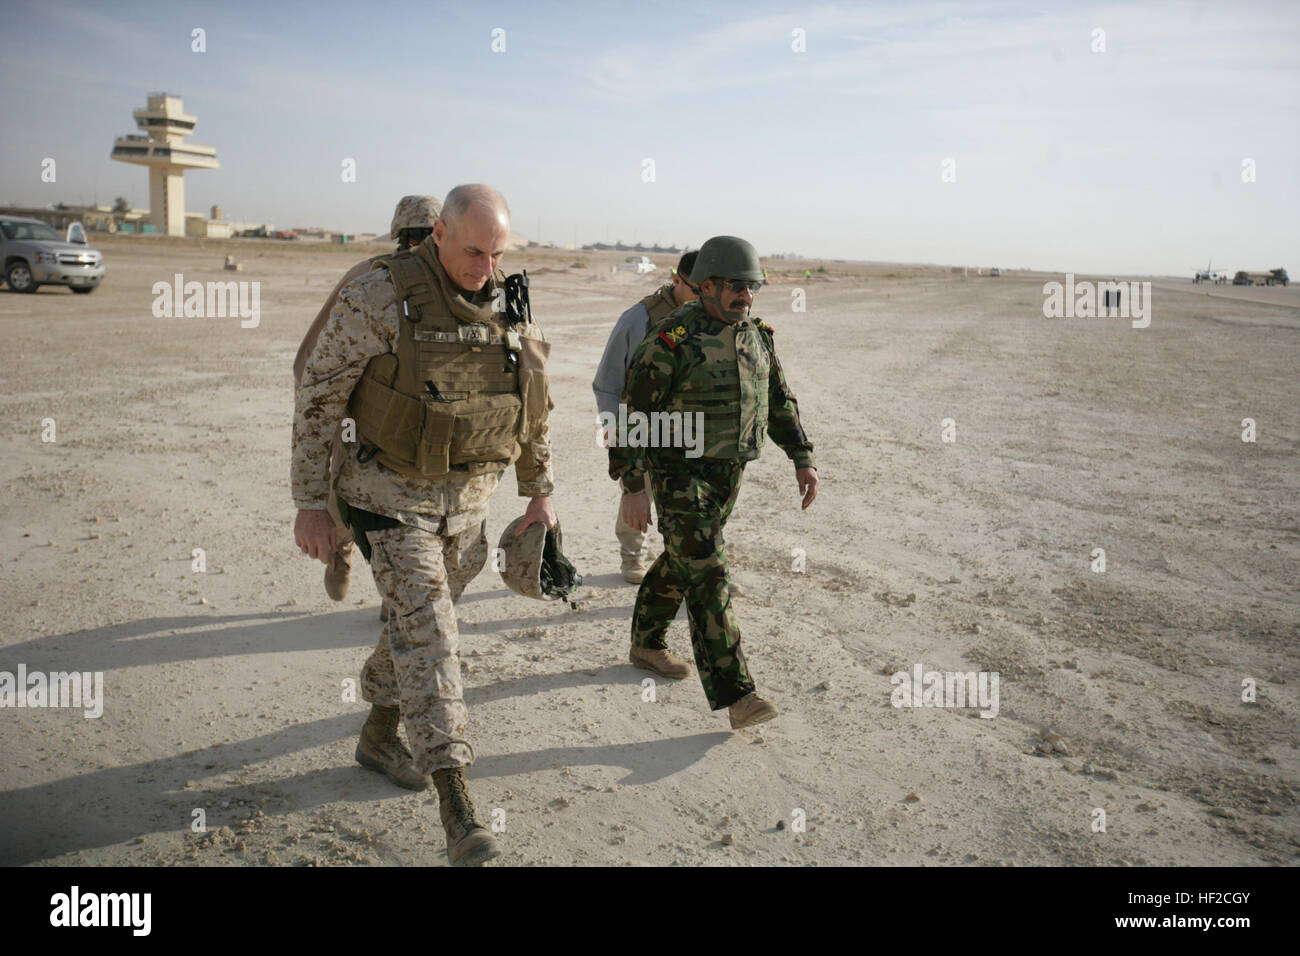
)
(1272, 277)
(638, 264)
(34, 254)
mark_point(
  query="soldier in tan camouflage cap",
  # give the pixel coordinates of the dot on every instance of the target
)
(445, 391)
(412, 222)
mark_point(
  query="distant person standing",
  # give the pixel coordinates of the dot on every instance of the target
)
(628, 333)
(711, 360)
(413, 221)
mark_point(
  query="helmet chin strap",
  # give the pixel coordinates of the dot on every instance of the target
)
(726, 314)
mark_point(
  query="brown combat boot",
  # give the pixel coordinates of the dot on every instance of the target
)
(749, 710)
(338, 572)
(468, 841)
(380, 749)
(663, 662)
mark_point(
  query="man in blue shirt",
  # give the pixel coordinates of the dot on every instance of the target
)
(629, 331)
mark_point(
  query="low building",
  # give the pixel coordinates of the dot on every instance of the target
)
(94, 218)
(201, 227)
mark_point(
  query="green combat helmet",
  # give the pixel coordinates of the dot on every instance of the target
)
(534, 565)
(415, 212)
(729, 257)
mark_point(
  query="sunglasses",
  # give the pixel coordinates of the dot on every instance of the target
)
(418, 234)
(743, 285)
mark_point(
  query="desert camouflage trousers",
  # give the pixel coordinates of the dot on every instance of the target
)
(693, 501)
(416, 665)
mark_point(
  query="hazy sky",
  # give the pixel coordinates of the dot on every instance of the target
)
(1127, 160)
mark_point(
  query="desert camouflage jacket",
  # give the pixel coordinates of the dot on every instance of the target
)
(365, 323)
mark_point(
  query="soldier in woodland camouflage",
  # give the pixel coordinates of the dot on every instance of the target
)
(711, 361)
(445, 394)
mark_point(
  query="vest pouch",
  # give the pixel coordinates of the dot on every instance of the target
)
(464, 367)
(433, 451)
(484, 429)
(386, 418)
(534, 388)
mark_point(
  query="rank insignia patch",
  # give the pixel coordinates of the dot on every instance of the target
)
(674, 337)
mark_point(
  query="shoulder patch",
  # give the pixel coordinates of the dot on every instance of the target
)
(673, 336)
(764, 327)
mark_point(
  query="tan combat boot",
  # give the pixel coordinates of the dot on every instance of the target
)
(468, 841)
(338, 572)
(749, 710)
(663, 662)
(380, 749)
(633, 570)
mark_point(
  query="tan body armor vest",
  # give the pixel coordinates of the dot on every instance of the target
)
(457, 396)
(729, 388)
(659, 304)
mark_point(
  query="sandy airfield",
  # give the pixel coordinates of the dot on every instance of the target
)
(223, 689)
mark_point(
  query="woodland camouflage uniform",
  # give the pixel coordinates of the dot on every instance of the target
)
(729, 374)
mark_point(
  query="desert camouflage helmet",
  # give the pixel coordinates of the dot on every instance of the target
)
(415, 212)
(534, 565)
(729, 257)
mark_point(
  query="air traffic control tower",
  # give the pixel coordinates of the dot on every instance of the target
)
(167, 157)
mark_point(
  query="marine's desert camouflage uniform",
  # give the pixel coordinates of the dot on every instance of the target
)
(342, 532)
(422, 565)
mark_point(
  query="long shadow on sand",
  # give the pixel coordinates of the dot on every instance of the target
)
(645, 762)
(158, 640)
(596, 674)
(151, 640)
(104, 807)
(110, 806)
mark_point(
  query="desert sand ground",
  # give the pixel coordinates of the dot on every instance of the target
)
(1119, 691)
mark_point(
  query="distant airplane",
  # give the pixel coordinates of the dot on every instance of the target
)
(1209, 275)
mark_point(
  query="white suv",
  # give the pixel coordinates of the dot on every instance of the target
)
(638, 264)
